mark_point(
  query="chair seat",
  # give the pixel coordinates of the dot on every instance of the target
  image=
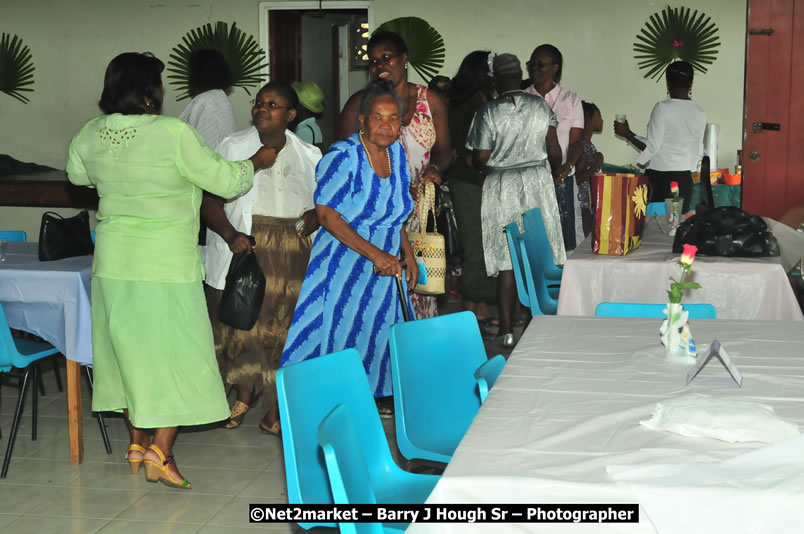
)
(31, 348)
(406, 488)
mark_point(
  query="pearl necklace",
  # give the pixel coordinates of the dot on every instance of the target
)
(368, 155)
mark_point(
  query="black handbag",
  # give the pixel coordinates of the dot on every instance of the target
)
(448, 226)
(726, 231)
(64, 238)
(244, 291)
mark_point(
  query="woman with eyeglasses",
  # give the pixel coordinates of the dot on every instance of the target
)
(545, 69)
(154, 356)
(282, 196)
(424, 132)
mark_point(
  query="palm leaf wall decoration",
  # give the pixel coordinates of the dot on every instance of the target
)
(426, 50)
(676, 34)
(241, 51)
(16, 67)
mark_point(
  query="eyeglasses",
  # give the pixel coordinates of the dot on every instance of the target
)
(538, 65)
(270, 105)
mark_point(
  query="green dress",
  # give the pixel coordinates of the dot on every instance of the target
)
(151, 336)
(475, 285)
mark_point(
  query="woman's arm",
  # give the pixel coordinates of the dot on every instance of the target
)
(348, 122)
(383, 262)
(623, 130)
(480, 158)
(441, 153)
(554, 155)
(410, 260)
(215, 218)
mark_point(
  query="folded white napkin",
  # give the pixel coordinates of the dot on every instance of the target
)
(727, 419)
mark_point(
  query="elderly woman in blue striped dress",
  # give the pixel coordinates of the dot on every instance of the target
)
(349, 298)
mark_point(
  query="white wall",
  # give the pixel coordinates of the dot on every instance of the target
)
(73, 41)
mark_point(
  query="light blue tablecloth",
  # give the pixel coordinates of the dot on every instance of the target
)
(49, 299)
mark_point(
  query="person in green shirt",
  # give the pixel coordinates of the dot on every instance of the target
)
(154, 357)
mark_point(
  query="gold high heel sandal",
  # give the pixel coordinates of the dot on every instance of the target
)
(155, 472)
(239, 409)
(134, 463)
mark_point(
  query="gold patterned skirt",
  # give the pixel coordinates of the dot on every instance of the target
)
(249, 358)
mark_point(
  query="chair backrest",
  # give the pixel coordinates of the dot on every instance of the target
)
(656, 208)
(92, 235)
(534, 279)
(513, 236)
(656, 311)
(433, 362)
(346, 466)
(487, 374)
(14, 235)
(534, 229)
(308, 391)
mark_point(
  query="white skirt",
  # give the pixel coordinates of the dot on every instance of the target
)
(507, 194)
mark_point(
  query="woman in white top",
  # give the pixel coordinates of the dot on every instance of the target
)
(675, 137)
(282, 195)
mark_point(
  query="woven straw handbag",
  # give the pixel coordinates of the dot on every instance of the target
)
(429, 246)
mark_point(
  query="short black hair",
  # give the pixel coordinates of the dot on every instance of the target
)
(284, 89)
(589, 109)
(679, 74)
(129, 79)
(555, 55)
(388, 37)
(377, 89)
(207, 69)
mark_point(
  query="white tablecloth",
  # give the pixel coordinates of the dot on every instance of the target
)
(739, 288)
(49, 299)
(569, 402)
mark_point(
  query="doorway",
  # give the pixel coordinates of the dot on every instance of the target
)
(318, 41)
(773, 132)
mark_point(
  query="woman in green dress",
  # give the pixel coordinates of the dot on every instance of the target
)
(154, 358)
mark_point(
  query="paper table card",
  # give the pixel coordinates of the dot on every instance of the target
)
(716, 349)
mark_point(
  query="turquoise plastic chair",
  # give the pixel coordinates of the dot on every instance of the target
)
(656, 208)
(347, 469)
(308, 391)
(535, 282)
(433, 363)
(14, 235)
(487, 374)
(655, 311)
(24, 354)
(534, 229)
(513, 236)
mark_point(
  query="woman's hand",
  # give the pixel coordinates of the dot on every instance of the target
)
(264, 157)
(310, 223)
(387, 265)
(563, 172)
(411, 272)
(622, 129)
(431, 174)
(239, 242)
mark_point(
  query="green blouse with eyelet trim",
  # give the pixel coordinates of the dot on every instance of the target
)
(150, 171)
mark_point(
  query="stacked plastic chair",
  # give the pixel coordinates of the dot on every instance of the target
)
(347, 468)
(433, 364)
(656, 208)
(308, 391)
(534, 229)
(632, 309)
(14, 235)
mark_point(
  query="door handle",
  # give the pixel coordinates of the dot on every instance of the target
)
(760, 31)
(754, 155)
(760, 126)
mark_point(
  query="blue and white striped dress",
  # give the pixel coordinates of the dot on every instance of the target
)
(342, 303)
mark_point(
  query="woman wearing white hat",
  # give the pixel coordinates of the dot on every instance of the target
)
(311, 107)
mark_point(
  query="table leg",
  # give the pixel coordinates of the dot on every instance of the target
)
(74, 412)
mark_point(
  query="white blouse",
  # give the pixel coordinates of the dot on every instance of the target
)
(675, 136)
(285, 190)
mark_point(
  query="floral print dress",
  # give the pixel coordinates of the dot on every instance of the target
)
(418, 138)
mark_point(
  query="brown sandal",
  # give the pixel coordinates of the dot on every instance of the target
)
(275, 429)
(239, 409)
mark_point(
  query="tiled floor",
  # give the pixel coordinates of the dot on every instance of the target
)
(229, 470)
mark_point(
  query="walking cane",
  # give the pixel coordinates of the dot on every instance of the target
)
(402, 299)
